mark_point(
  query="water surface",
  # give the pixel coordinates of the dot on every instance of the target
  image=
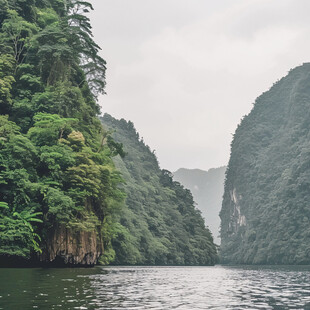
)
(186, 288)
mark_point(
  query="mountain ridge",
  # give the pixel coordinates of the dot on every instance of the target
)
(207, 188)
(159, 224)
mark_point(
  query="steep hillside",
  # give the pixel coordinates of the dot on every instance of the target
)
(58, 184)
(159, 224)
(266, 207)
(207, 188)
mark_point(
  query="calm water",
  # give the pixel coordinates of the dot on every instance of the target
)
(156, 288)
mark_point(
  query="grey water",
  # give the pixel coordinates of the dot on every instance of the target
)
(190, 288)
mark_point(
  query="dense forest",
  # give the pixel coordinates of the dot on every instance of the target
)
(58, 184)
(62, 201)
(207, 188)
(265, 214)
(159, 223)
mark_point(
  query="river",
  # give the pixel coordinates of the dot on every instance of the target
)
(186, 288)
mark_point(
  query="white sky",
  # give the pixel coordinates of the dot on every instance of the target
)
(186, 71)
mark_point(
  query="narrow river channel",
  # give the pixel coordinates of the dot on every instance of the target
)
(188, 288)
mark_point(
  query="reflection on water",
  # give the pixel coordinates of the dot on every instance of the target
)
(156, 288)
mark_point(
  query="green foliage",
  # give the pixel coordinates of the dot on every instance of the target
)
(60, 206)
(267, 181)
(81, 39)
(17, 33)
(49, 128)
(51, 169)
(56, 168)
(55, 54)
(7, 128)
(55, 162)
(159, 224)
(6, 81)
(66, 42)
(17, 236)
(46, 17)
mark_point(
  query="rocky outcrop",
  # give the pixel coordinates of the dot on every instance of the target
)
(68, 247)
(237, 219)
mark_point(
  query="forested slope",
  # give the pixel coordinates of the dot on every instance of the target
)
(160, 224)
(266, 207)
(207, 188)
(58, 185)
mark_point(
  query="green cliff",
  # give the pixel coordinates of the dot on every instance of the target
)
(265, 217)
(58, 185)
(159, 223)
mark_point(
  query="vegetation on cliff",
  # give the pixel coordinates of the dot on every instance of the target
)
(60, 193)
(55, 158)
(159, 223)
(266, 207)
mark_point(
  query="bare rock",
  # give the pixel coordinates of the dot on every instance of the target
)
(70, 247)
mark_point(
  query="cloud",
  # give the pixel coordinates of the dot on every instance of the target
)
(187, 85)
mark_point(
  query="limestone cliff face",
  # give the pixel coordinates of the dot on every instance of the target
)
(233, 222)
(237, 219)
(72, 248)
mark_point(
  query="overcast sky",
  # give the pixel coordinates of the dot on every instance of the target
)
(186, 71)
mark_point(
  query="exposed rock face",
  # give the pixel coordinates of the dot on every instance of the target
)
(237, 220)
(72, 248)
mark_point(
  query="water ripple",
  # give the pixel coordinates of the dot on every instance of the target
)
(156, 288)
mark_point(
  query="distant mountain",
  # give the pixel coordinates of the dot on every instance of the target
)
(266, 204)
(207, 188)
(159, 223)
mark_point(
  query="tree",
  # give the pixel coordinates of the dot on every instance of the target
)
(6, 82)
(17, 33)
(49, 128)
(17, 236)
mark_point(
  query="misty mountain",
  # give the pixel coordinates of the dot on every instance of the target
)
(266, 205)
(159, 223)
(207, 188)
